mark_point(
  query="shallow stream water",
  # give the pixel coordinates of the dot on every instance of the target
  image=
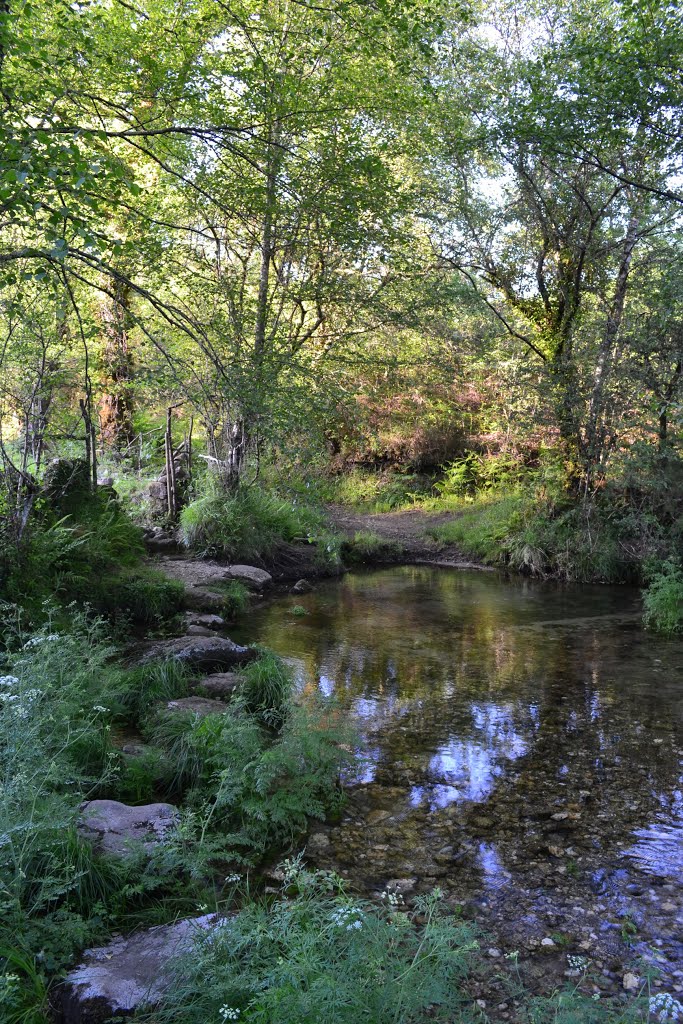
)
(523, 749)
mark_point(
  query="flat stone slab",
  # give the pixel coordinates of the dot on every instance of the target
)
(119, 829)
(201, 652)
(252, 577)
(220, 684)
(129, 973)
(197, 573)
(197, 706)
(206, 620)
(198, 631)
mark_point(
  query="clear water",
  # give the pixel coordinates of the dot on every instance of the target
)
(523, 748)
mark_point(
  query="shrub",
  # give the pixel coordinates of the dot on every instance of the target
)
(663, 599)
(252, 790)
(249, 524)
(56, 702)
(146, 596)
(324, 958)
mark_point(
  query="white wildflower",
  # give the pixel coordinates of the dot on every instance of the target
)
(229, 1012)
(666, 1007)
(233, 878)
(9, 681)
(99, 707)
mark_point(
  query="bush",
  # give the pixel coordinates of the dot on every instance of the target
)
(253, 791)
(56, 703)
(663, 599)
(146, 596)
(250, 524)
(324, 958)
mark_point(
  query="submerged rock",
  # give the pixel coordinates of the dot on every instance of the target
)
(202, 652)
(116, 828)
(301, 587)
(120, 978)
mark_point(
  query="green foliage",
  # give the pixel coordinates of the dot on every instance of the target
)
(366, 547)
(56, 705)
(266, 688)
(663, 599)
(251, 790)
(374, 492)
(323, 957)
(250, 524)
(154, 683)
(237, 597)
(146, 596)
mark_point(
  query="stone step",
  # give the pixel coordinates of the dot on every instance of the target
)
(214, 622)
(127, 974)
(121, 830)
(197, 706)
(220, 685)
(200, 652)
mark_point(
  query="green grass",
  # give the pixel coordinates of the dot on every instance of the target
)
(482, 527)
(368, 548)
(250, 525)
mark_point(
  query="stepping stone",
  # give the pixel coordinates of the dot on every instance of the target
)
(221, 684)
(116, 828)
(129, 973)
(201, 652)
(198, 706)
(198, 631)
(301, 587)
(252, 577)
(202, 600)
(207, 621)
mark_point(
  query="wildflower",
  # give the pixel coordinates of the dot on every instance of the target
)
(349, 918)
(229, 1012)
(512, 955)
(233, 878)
(99, 707)
(9, 698)
(9, 681)
(578, 963)
(665, 1007)
(394, 899)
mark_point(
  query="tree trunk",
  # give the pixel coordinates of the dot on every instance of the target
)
(116, 411)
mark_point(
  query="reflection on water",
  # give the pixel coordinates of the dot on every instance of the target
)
(512, 730)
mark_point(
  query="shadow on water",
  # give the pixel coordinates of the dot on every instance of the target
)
(522, 747)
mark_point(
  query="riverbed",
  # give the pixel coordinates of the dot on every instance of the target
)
(522, 748)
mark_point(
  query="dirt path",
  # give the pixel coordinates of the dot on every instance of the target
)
(410, 529)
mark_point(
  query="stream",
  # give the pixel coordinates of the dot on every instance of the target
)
(522, 749)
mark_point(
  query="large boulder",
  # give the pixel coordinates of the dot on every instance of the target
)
(201, 652)
(118, 829)
(129, 973)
